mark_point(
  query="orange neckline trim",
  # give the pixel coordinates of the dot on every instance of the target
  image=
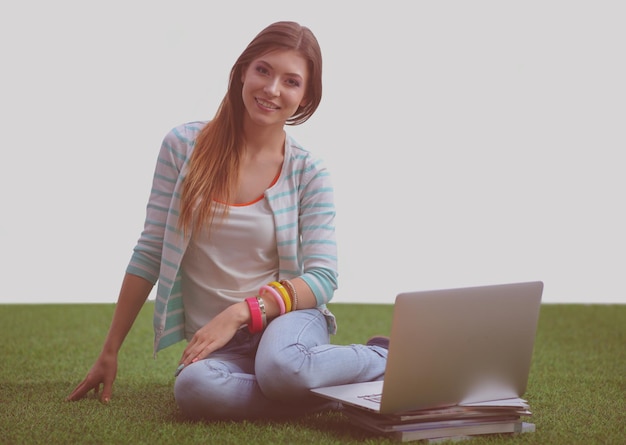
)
(254, 201)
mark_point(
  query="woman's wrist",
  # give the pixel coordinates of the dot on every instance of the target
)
(274, 299)
(241, 312)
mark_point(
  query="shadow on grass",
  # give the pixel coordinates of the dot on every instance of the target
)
(37, 412)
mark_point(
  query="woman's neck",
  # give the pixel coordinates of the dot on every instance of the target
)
(264, 139)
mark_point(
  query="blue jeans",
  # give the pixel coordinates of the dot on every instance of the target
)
(269, 374)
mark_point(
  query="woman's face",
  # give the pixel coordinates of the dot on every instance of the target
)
(274, 86)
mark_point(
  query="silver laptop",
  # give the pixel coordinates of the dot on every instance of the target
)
(451, 347)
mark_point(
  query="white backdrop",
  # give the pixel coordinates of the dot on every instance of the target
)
(470, 142)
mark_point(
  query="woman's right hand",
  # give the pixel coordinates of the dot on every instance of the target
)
(103, 372)
(132, 296)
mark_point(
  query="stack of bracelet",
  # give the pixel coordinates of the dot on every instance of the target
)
(285, 295)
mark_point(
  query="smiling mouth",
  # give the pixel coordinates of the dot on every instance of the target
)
(265, 104)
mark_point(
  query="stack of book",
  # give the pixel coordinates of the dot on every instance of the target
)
(450, 423)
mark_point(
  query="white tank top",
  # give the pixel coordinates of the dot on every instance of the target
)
(239, 257)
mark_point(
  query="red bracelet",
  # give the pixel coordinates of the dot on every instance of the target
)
(256, 317)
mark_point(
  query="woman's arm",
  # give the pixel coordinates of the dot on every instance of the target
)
(144, 266)
(317, 238)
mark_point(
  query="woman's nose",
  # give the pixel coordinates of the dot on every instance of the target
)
(271, 88)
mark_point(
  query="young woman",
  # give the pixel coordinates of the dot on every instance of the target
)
(239, 235)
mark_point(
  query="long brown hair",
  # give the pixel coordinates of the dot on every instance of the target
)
(214, 163)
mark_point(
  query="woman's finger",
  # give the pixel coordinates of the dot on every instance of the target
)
(80, 391)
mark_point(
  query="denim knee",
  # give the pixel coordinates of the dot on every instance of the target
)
(202, 391)
(284, 376)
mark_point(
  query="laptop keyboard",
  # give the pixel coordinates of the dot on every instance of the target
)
(372, 397)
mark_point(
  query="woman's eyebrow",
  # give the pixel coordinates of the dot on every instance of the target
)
(269, 65)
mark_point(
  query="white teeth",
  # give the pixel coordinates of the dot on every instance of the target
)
(266, 104)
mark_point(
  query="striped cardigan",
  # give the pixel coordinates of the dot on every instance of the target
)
(304, 212)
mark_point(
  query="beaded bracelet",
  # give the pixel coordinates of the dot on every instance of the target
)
(292, 293)
(276, 295)
(283, 293)
(256, 316)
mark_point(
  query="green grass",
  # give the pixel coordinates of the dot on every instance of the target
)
(577, 387)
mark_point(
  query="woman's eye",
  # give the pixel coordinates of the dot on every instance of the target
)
(262, 70)
(293, 82)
